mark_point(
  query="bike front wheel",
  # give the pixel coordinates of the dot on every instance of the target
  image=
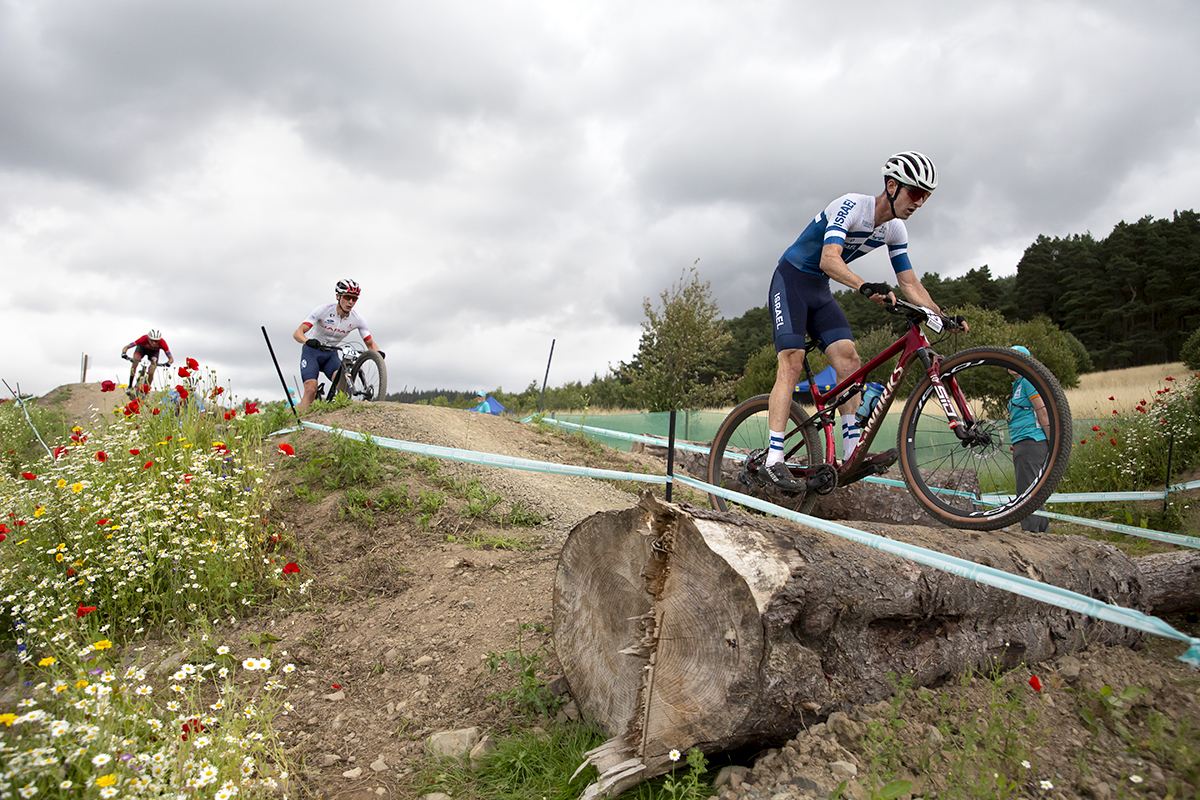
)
(367, 379)
(736, 457)
(966, 478)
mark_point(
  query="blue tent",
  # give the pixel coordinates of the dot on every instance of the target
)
(490, 406)
(826, 379)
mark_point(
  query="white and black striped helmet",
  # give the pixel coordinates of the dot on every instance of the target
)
(912, 169)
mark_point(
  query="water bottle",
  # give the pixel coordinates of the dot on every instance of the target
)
(870, 396)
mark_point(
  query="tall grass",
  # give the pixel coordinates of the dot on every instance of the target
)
(150, 521)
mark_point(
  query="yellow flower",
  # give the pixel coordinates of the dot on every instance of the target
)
(61, 483)
(81, 684)
(76, 487)
(47, 661)
(8, 719)
(58, 556)
(106, 780)
(37, 512)
(103, 644)
(77, 429)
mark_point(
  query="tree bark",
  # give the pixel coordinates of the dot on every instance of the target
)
(680, 627)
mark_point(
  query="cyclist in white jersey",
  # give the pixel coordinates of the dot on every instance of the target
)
(801, 303)
(330, 324)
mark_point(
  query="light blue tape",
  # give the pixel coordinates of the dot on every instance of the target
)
(487, 459)
(1162, 536)
(1063, 598)
(628, 437)
(282, 431)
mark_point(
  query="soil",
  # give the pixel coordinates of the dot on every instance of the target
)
(394, 643)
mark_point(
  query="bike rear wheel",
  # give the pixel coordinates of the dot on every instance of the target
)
(367, 379)
(745, 432)
(970, 482)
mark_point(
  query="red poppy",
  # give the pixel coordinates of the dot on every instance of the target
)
(29, 476)
(1095, 427)
(192, 726)
(287, 449)
(187, 478)
(70, 572)
(148, 464)
(193, 363)
(1110, 397)
(183, 393)
(102, 521)
(154, 412)
(108, 386)
(251, 408)
(58, 451)
(290, 567)
(1113, 441)
(1035, 683)
(183, 373)
(1168, 378)
(2, 537)
(133, 451)
(334, 685)
(83, 610)
(20, 523)
(217, 392)
(3, 528)
(1083, 441)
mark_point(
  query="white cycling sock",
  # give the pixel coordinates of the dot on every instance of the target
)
(850, 435)
(775, 453)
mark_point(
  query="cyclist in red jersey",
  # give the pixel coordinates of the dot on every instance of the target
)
(149, 345)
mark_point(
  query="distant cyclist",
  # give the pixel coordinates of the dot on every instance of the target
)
(330, 324)
(149, 345)
(800, 301)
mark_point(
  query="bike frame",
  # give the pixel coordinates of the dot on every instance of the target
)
(912, 346)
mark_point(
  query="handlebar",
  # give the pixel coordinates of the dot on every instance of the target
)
(919, 314)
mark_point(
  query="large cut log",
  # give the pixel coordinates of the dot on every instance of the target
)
(678, 627)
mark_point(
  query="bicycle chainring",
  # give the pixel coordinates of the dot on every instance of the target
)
(823, 480)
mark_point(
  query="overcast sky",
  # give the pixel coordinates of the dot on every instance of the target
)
(500, 174)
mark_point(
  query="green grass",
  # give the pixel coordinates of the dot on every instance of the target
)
(155, 521)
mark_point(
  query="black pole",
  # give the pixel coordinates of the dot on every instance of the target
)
(1167, 489)
(670, 454)
(282, 382)
(547, 377)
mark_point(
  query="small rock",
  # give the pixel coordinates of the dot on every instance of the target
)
(733, 775)
(452, 744)
(843, 770)
(391, 656)
(338, 695)
(328, 759)
(379, 765)
(381, 791)
(436, 796)
(934, 736)
(847, 730)
(1069, 668)
(423, 661)
(352, 773)
(1095, 788)
(480, 751)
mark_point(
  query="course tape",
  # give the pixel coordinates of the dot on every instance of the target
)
(489, 460)
(1145, 533)
(628, 437)
(1063, 598)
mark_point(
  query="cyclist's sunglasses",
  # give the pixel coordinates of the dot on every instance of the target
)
(916, 194)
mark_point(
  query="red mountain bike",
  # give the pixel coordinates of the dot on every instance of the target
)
(954, 449)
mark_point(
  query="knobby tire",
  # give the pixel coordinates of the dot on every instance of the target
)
(947, 477)
(745, 430)
(367, 379)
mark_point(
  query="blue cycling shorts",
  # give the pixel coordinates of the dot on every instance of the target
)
(801, 304)
(313, 362)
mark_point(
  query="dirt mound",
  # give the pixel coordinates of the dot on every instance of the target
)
(83, 403)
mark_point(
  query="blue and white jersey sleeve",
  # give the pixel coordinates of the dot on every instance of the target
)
(849, 222)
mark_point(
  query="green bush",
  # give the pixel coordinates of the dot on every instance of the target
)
(1190, 354)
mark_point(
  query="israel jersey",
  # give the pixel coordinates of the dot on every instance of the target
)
(849, 221)
(330, 328)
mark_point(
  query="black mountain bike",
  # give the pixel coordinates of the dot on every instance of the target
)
(362, 375)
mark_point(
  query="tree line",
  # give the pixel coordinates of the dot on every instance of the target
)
(1078, 303)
